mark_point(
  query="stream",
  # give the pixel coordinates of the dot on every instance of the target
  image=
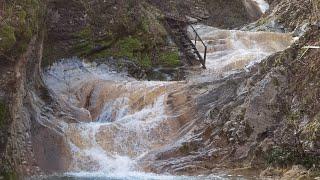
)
(123, 119)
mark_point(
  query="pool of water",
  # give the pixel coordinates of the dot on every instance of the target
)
(136, 176)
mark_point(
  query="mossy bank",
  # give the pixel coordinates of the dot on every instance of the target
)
(123, 30)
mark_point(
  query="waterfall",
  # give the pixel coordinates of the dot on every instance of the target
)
(127, 118)
(232, 50)
(263, 5)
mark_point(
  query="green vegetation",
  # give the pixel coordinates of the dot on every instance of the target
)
(170, 59)
(262, 21)
(19, 22)
(9, 176)
(132, 48)
(128, 46)
(137, 35)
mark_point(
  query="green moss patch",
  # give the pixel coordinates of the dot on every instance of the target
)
(137, 35)
(128, 46)
(171, 58)
(20, 22)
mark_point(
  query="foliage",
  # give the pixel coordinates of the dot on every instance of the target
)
(170, 58)
(19, 22)
(128, 46)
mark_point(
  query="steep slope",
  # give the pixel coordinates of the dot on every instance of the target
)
(265, 117)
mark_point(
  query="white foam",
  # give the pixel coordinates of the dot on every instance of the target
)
(230, 50)
(263, 5)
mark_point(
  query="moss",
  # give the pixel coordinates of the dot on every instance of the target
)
(102, 54)
(83, 48)
(20, 22)
(128, 46)
(262, 21)
(85, 33)
(136, 34)
(145, 61)
(145, 25)
(170, 59)
(7, 37)
(9, 176)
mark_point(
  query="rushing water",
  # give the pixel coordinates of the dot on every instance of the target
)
(127, 118)
(123, 119)
(263, 5)
(232, 50)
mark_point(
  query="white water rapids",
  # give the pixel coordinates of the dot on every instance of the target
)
(263, 5)
(123, 119)
(232, 50)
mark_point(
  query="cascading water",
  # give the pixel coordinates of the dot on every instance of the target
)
(128, 117)
(232, 50)
(122, 119)
(263, 5)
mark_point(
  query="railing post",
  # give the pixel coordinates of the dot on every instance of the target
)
(205, 56)
(205, 47)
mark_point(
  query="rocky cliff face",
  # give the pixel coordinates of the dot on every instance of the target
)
(287, 16)
(27, 140)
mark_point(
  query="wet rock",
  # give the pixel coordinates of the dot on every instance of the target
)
(297, 172)
(124, 66)
(271, 172)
